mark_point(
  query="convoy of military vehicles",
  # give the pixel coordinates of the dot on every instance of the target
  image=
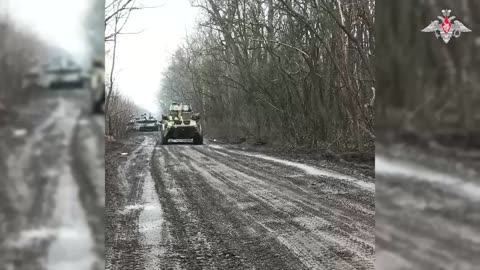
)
(143, 123)
(179, 124)
(65, 74)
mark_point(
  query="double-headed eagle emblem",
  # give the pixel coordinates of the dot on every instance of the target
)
(444, 28)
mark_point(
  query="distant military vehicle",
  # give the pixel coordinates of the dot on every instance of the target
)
(36, 77)
(32, 79)
(181, 123)
(65, 74)
(145, 124)
(131, 123)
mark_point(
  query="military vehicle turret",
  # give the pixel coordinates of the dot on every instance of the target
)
(143, 123)
(181, 123)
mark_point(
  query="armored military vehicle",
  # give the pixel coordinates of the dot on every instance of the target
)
(143, 123)
(65, 74)
(181, 123)
(34, 79)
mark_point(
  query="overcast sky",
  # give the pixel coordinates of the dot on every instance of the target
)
(59, 22)
(141, 58)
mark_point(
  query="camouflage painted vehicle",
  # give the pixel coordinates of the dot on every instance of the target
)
(181, 123)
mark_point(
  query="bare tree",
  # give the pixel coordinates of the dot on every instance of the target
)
(121, 109)
(19, 51)
(425, 85)
(117, 15)
(294, 71)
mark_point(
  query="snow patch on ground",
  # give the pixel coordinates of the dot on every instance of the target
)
(19, 190)
(306, 168)
(151, 217)
(150, 223)
(132, 207)
(19, 132)
(72, 250)
(391, 261)
(83, 122)
(93, 155)
(414, 172)
(30, 237)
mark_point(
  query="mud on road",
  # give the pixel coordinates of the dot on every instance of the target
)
(52, 185)
(183, 206)
(428, 208)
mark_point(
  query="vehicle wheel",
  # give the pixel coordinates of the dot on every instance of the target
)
(163, 139)
(99, 104)
(80, 84)
(198, 140)
(98, 107)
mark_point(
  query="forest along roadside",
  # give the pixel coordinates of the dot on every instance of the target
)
(427, 206)
(211, 206)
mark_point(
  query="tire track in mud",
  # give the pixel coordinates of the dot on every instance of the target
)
(351, 202)
(268, 204)
(124, 249)
(326, 219)
(49, 216)
(130, 229)
(208, 231)
(19, 160)
(426, 219)
(31, 183)
(195, 207)
(87, 151)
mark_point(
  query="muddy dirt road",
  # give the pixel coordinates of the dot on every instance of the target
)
(428, 209)
(183, 206)
(52, 185)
